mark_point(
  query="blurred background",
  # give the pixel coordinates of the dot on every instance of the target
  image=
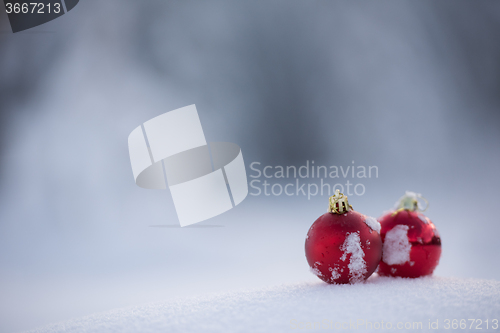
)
(410, 87)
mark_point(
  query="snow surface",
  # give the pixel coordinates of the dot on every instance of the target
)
(278, 309)
(373, 223)
(396, 250)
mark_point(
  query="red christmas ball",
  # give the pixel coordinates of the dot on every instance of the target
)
(411, 242)
(343, 246)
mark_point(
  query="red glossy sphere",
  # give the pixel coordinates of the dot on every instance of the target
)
(342, 248)
(412, 245)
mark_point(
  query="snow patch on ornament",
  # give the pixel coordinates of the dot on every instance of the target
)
(396, 249)
(357, 265)
(315, 269)
(373, 223)
(335, 273)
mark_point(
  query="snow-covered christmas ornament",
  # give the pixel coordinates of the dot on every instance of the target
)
(342, 245)
(412, 245)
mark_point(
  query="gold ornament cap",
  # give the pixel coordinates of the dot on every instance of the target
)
(339, 203)
(411, 201)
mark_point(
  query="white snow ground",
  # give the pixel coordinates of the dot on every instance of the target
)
(378, 304)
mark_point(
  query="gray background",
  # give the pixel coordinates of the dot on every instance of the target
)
(411, 87)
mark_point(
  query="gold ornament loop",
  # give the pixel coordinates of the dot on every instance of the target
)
(339, 203)
(410, 201)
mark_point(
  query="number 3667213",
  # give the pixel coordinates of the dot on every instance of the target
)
(33, 8)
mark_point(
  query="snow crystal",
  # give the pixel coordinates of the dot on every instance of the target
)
(357, 265)
(372, 223)
(396, 250)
